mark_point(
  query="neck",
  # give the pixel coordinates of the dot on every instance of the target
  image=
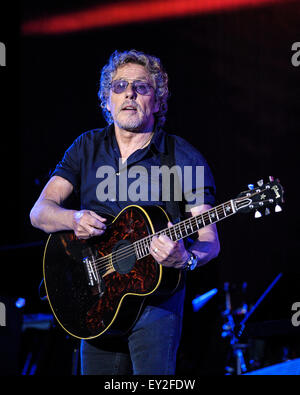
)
(129, 142)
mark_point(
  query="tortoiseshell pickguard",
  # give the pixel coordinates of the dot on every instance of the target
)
(142, 279)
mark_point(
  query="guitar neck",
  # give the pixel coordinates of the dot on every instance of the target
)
(187, 227)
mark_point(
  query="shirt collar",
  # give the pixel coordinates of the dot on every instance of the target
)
(158, 139)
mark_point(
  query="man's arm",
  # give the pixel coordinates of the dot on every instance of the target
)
(173, 254)
(207, 245)
(48, 214)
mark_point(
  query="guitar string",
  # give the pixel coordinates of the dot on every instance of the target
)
(192, 219)
(130, 251)
(145, 242)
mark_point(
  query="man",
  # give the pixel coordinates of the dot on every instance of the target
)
(133, 93)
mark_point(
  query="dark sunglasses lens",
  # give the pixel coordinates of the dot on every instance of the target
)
(119, 86)
(142, 88)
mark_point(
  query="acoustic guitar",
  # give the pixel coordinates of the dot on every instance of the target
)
(101, 283)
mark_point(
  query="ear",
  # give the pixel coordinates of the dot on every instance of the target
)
(108, 105)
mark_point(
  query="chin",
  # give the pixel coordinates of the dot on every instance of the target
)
(132, 126)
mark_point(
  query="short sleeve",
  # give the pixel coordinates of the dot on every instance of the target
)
(198, 181)
(69, 166)
(200, 188)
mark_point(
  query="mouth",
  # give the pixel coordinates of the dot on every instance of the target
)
(129, 108)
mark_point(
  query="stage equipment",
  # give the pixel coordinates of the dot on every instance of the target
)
(288, 368)
(201, 300)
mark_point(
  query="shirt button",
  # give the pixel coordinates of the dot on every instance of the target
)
(112, 200)
(117, 173)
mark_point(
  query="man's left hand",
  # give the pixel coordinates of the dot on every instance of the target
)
(167, 252)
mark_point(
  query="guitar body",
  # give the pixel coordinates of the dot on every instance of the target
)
(86, 305)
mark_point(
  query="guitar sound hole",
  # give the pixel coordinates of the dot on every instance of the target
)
(123, 256)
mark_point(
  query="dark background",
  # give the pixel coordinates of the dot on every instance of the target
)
(234, 95)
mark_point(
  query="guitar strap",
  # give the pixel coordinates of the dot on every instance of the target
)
(173, 208)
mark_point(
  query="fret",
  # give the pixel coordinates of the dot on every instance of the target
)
(193, 219)
(186, 232)
(178, 234)
(143, 248)
(148, 242)
(228, 208)
(205, 219)
(187, 227)
(180, 230)
(232, 206)
(167, 232)
(137, 251)
(216, 210)
(224, 212)
(173, 234)
(199, 221)
(213, 215)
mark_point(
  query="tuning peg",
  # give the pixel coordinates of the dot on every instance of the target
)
(267, 211)
(251, 186)
(277, 208)
(257, 214)
(260, 183)
(271, 178)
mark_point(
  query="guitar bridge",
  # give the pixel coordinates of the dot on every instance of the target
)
(90, 270)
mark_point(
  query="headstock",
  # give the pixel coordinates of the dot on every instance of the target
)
(260, 198)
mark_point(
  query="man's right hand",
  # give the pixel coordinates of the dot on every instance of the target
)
(87, 223)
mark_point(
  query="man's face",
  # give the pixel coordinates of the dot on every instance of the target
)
(130, 110)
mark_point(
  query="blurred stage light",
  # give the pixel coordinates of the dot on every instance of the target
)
(201, 300)
(131, 12)
(20, 302)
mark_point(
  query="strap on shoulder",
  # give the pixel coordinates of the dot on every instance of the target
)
(173, 207)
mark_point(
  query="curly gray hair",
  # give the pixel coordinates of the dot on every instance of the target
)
(152, 65)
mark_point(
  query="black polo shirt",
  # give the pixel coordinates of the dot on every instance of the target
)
(95, 152)
(104, 184)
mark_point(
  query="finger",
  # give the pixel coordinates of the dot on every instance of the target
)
(156, 244)
(95, 223)
(84, 217)
(161, 254)
(97, 216)
(154, 247)
(164, 241)
(92, 231)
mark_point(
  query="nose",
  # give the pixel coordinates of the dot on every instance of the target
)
(130, 93)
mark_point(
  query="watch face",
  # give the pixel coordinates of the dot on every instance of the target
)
(193, 262)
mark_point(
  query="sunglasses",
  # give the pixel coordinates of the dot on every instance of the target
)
(140, 87)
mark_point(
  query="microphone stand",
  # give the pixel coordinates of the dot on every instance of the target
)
(234, 332)
(229, 330)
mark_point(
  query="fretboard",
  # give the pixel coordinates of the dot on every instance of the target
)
(186, 227)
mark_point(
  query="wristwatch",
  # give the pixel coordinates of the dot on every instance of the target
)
(191, 262)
